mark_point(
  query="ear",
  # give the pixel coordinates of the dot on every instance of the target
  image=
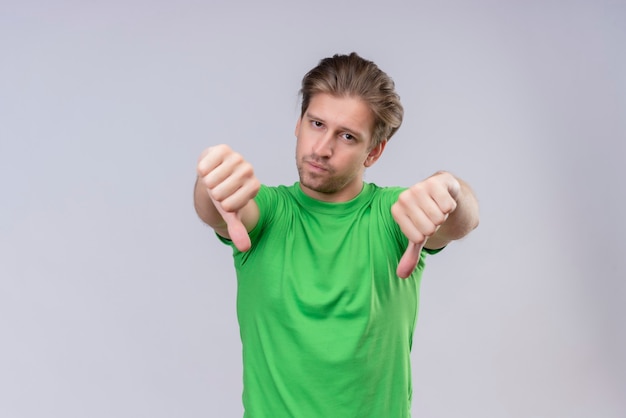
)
(375, 154)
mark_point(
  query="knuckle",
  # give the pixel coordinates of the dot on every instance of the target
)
(256, 185)
(395, 210)
(208, 183)
(439, 218)
(247, 169)
(418, 237)
(221, 149)
(217, 195)
(229, 206)
(404, 198)
(203, 156)
(449, 206)
(429, 230)
(202, 169)
(235, 158)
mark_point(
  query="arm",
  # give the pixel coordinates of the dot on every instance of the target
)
(432, 213)
(224, 194)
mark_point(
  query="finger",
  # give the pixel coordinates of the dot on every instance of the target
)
(415, 224)
(409, 260)
(453, 188)
(209, 160)
(444, 202)
(236, 229)
(236, 186)
(216, 171)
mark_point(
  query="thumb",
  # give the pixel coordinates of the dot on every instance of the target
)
(409, 260)
(236, 229)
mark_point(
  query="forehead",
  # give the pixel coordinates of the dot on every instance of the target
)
(347, 112)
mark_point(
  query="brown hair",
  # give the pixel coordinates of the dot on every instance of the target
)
(353, 76)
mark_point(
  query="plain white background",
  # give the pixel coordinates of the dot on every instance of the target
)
(115, 301)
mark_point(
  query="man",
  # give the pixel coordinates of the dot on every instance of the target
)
(329, 268)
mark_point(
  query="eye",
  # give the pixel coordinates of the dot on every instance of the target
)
(317, 124)
(348, 137)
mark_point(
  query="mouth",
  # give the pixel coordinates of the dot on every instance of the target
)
(317, 167)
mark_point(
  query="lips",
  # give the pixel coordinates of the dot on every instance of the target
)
(317, 166)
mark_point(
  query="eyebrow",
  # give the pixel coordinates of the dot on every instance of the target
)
(357, 133)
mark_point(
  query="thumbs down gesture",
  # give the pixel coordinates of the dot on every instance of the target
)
(420, 211)
(231, 185)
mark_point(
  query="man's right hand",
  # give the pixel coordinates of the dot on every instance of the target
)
(231, 186)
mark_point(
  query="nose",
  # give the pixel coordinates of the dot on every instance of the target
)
(323, 146)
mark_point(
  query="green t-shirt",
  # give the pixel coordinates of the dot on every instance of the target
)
(326, 324)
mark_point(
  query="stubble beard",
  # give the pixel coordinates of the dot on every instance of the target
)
(326, 182)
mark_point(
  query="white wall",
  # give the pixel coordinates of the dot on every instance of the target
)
(115, 301)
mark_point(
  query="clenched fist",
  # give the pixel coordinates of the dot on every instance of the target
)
(231, 185)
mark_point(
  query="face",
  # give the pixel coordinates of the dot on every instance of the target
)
(334, 147)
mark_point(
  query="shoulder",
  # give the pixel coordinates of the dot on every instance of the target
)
(386, 195)
(274, 201)
(274, 193)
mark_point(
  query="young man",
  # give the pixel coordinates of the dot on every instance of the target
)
(329, 268)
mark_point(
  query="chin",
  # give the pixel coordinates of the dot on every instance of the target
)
(320, 187)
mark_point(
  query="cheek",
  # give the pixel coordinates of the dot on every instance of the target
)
(304, 142)
(355, 163)
(298, 146)
(362, 159)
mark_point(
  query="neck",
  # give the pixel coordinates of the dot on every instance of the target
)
(343, 195)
